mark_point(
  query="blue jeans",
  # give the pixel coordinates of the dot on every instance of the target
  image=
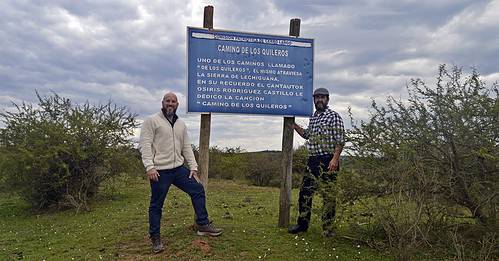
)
(180, 178)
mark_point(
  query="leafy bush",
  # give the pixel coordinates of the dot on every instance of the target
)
(300, 157)
(263, 168)
(227, 163)
(259, 168)
(428, 157)
(57, 153)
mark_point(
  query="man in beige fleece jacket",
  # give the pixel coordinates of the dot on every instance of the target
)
(164, 145)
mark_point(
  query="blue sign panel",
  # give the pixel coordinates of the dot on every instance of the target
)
(245, 73)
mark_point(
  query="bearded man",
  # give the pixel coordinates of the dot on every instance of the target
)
(325, 140)
(164, 145)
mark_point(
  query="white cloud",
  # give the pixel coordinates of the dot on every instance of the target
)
(491, 78)
(471, 29)
(413, 67)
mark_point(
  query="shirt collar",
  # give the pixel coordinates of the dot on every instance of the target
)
(317, 113)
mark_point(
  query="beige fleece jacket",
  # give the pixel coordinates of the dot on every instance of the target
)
(163, 146)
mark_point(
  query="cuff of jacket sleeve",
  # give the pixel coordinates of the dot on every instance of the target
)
(149, 167)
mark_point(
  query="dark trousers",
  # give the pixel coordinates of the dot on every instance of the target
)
(180, 178)
(317, 178)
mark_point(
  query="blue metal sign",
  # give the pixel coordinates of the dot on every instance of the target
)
(247, 73)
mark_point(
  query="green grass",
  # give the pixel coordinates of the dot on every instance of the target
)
(116, 229)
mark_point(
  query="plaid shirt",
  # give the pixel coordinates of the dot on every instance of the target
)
(324, 131)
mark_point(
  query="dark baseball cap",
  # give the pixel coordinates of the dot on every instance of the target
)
(321, 91)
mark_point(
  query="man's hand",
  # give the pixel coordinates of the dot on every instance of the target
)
(194, 173)
(153, 175)
(298, 129)
(333, 164)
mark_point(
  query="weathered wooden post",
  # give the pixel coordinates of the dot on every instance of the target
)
(287, 152)
(205, 129)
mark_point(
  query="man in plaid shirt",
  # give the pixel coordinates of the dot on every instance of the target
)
(325, 140)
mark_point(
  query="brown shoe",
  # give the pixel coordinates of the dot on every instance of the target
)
(157, 246)
(209, 230)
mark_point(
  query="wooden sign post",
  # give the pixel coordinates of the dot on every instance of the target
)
(287, 152)
(205, 129)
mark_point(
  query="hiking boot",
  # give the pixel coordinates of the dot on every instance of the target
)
(157, 246)
(297, 229)
(209, 230)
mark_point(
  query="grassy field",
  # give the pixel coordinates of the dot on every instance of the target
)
(116, 229)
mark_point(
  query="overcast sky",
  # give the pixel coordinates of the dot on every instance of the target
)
(134, 51)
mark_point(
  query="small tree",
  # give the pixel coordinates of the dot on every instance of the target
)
(445, 138)
(428, 158)
(57, 153)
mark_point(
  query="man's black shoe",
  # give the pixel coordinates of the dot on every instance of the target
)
(297, 229)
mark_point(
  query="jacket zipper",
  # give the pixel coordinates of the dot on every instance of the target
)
(174, 151)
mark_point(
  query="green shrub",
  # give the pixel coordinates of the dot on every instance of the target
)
(227, 163)
(427, 157)
(263, 167)
(57, 153)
